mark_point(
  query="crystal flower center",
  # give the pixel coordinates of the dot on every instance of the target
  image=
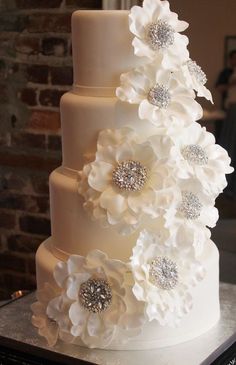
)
(197, 72)
(190, 206)
(130, 176)
(164, 273)
(195, 154)
(160, 35)
(95, 295)
(159, 95)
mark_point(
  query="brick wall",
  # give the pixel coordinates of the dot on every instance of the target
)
(35, 70)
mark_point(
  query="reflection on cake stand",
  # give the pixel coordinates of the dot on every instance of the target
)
(202, 350)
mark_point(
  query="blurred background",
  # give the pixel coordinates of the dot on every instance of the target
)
(35, 70)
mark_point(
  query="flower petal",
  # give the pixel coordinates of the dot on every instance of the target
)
(100, 175)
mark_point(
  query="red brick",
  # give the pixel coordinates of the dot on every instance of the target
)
(13, 120)
(28, 140)
(27, 45)
(7, 220)
(44, 120)
(14, 180)
(61, 75)
(31, 267)
(13, 201)
(54, 46)
(28, 96)
(33, 224)
(37, 74)
(42, 162)
(4, 94)
(39, 183)
(3, 244)
(13, 22)
(27, 203)
(55, 23)
(50, 97)
(86, 4)
(23, 243)
(42, 205)
(54, 143)
(25, 181)
(9, 261)
(3, 66)
(4, 139)
(37, 4)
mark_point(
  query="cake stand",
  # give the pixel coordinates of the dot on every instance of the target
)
(20, 344)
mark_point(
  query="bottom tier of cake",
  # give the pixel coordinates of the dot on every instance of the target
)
(204, 315)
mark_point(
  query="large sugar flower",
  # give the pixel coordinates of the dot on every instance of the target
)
(126, 182)
(164, 279)
(47, 326)
(161, 96)
(157, 36)
(194, 77)
(99, 299)
(196, 155)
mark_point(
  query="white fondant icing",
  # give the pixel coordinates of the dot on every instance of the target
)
(102, 48)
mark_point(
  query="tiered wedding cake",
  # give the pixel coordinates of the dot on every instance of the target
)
(130, 263)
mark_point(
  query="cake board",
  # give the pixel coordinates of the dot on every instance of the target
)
(20, 344)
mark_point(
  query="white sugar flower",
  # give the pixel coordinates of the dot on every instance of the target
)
(194, 77)
(186, 237)
(164, 279)
(126, 183)
(191, 208)
(196, 155)
(47, 327)
(157, 34)
(161, 96)
(99, 299)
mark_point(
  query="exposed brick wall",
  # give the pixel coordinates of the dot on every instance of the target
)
(35, 70)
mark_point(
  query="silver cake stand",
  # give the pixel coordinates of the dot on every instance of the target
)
(17, 333)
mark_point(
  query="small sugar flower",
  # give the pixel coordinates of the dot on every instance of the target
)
(195, 155)
(193, 77)
(126, 183)
(161, 96)
(157, 34)
(99, 299)
(164, 278)
(191, 208)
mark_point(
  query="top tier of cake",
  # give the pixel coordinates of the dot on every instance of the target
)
(102, 50)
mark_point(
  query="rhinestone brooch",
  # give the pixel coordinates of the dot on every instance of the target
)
(190, 206)
(197, 72)
(195, 155)
(130, 176)
(159, 95)
(95, 295)
(160, 35)
(164, 273)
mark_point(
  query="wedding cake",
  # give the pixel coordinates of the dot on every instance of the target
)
(130, 264)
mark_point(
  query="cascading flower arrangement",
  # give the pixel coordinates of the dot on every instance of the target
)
(172, 177)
